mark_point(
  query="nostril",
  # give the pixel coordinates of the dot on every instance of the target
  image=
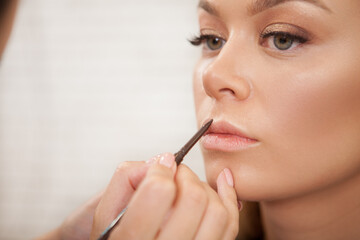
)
(227, 90)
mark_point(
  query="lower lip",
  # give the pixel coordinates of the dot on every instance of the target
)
(226, 142)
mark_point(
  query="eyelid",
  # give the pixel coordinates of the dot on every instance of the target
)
(204, 35)
(285, 28)
(209, 31)
(285, 34)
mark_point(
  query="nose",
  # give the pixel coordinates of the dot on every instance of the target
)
(224, 77)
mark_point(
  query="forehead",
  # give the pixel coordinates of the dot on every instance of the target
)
(256, 6)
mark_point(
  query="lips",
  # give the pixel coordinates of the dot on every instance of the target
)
(222, 136)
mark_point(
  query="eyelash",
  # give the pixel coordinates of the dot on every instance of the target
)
(295, 37)
(202, 38)
(198, 40)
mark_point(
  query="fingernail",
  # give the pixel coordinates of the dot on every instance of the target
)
(229, 177)
(153, 159)
(166, 160)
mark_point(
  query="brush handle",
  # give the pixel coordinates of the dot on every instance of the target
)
(179, 156)
(106, 233)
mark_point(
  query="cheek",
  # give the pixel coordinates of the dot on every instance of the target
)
(202, 101)
(314, 121)
(317, 100)
(197, 87)
(318, 105)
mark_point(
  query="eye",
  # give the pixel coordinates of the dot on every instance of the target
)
(214, 43)
(211, 42)
(282, 40)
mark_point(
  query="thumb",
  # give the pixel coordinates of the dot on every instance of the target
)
(124, 182)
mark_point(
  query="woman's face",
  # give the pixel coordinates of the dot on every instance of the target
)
(281, 79)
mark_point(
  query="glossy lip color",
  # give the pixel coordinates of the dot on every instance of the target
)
(222, 136)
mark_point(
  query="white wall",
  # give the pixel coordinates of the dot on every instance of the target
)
(84, 85)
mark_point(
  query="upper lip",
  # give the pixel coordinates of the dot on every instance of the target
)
(223, 127)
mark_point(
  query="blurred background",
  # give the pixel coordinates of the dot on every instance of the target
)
(85, 85)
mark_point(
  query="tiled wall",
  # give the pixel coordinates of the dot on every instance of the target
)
(84, 85)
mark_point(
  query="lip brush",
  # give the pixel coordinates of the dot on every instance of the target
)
(186, 148)
(179, 156)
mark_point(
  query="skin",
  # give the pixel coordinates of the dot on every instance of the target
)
(301, 104)
(77, 225)
(167, 202)
(163, 202)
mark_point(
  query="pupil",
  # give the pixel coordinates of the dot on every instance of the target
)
(214, 43)
(283, 42)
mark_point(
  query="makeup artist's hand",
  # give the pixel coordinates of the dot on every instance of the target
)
(199, 212)
(77, 225)
(166, 202)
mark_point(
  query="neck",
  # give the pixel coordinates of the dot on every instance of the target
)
(333, 213)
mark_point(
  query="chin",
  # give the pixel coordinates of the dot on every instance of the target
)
(259, 177)
(249, 174)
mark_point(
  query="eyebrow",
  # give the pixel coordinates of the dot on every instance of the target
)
(258, 6)
(205, 5)
(261, 5)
